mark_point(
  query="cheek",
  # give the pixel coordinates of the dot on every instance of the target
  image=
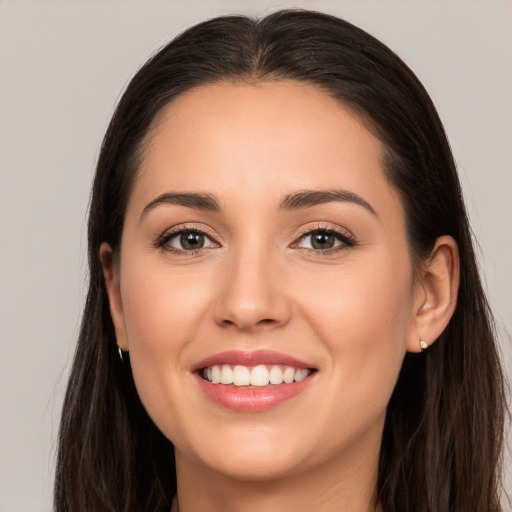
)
(362, 316)
(161, 311)
(361, 300)
(160, 307)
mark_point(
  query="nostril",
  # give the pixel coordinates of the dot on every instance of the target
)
(264, 321)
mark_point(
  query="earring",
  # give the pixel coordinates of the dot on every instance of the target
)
(120, 354)
(423, 344)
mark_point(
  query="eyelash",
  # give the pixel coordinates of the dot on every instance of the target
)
(347, 241)
(165, 237)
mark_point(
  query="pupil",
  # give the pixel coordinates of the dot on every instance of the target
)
(192, 240)
(322, 240)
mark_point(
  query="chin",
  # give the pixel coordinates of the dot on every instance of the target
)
(248, 453)
(257, 467)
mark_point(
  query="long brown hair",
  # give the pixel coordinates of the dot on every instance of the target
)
(444, 427)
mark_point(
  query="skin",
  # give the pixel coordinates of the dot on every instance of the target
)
(352, 313)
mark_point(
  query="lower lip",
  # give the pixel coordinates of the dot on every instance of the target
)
(252, 399)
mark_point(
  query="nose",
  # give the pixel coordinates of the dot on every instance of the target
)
(253, 295)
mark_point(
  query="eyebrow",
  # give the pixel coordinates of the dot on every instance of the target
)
(195, 200)
(308, 198)
(296, 201)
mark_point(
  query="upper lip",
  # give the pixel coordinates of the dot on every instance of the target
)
(250, 358)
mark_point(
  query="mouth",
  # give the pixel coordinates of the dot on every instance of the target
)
(252, 381)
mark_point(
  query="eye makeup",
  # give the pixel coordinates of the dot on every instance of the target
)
(191, 239)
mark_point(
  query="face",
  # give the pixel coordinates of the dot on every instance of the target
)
(264, 288)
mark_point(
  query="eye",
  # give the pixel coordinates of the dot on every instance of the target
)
(324, 240)
(186, 240)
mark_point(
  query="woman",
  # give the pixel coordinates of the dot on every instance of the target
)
(284, 309)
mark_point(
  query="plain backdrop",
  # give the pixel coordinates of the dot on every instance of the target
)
(63, 66)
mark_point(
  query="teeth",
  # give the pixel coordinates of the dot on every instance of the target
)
(260, 375)
(288, 374)
(215, 374)
(241, 376)
(276, 375)
(226, 375)
(300, 374)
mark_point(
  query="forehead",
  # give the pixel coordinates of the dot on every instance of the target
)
(259, 141)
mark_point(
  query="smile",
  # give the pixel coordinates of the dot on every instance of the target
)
(252, 381)
(260, 375)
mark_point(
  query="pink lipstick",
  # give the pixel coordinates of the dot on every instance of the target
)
(252, 381)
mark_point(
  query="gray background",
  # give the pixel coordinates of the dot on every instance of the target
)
(63, 66)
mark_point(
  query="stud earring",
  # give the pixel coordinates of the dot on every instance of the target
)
(423, 345)
(120, 354)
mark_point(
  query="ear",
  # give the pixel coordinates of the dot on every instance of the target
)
(111, 275)
(435, 294)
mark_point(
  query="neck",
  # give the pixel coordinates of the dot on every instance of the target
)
(344, 483)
